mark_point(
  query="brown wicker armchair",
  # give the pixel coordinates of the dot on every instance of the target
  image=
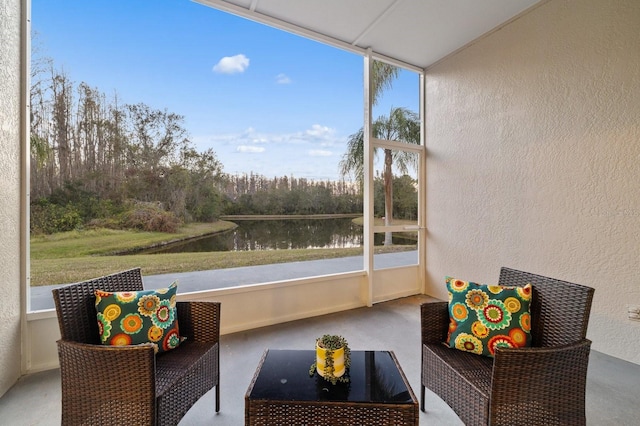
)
(541, 385)
(130, 384)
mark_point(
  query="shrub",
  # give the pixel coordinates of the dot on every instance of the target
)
(149, 217)
(48, 218)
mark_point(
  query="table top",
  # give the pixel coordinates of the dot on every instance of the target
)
(375, 377)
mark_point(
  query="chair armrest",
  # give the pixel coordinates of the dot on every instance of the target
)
(539, 382)
(97, 379)
(199, 321)
(434, 320)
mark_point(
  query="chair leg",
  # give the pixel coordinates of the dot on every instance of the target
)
(422, 398)
(218, 398)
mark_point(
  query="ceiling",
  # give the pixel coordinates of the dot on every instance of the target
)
(411, 33)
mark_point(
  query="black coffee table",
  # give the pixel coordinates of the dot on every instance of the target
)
(283, 393)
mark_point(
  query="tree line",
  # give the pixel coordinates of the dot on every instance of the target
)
(256, 194)
(96, 161)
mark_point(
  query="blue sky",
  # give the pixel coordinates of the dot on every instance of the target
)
(265, 100)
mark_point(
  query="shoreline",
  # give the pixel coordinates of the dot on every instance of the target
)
(289, 216)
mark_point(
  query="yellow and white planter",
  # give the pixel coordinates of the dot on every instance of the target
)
(338, 362)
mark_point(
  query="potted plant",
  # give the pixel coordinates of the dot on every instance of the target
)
(333, 358)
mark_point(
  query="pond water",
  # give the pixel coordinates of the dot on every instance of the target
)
(280, 235)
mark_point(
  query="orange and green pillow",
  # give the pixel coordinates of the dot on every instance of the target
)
(485, 317)
(138, 317)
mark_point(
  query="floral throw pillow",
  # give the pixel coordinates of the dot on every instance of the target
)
(485, 317)
(137, 317)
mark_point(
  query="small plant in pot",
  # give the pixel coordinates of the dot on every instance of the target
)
(333, 358)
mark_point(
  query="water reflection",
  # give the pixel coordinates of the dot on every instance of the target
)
(278, 235)
(253, 235)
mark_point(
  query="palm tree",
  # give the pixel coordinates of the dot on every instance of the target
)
(401, 125)
(383, 75)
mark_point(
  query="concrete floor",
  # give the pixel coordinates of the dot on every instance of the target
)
(613, 386)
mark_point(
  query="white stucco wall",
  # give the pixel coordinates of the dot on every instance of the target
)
(9, 193)
(534, 158)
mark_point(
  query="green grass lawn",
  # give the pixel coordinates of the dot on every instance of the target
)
(97, 242)
(79, 255)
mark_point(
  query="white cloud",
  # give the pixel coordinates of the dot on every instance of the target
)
(311, 152)
(319, 131)
(250, 149)
(232, 64)
(320, 153)
(283, 79)
(316, 136)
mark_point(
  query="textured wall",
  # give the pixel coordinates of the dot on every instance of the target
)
(534, 147)
(9, 193)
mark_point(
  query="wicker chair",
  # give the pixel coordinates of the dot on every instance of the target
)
(130, 384)
(541, 385)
